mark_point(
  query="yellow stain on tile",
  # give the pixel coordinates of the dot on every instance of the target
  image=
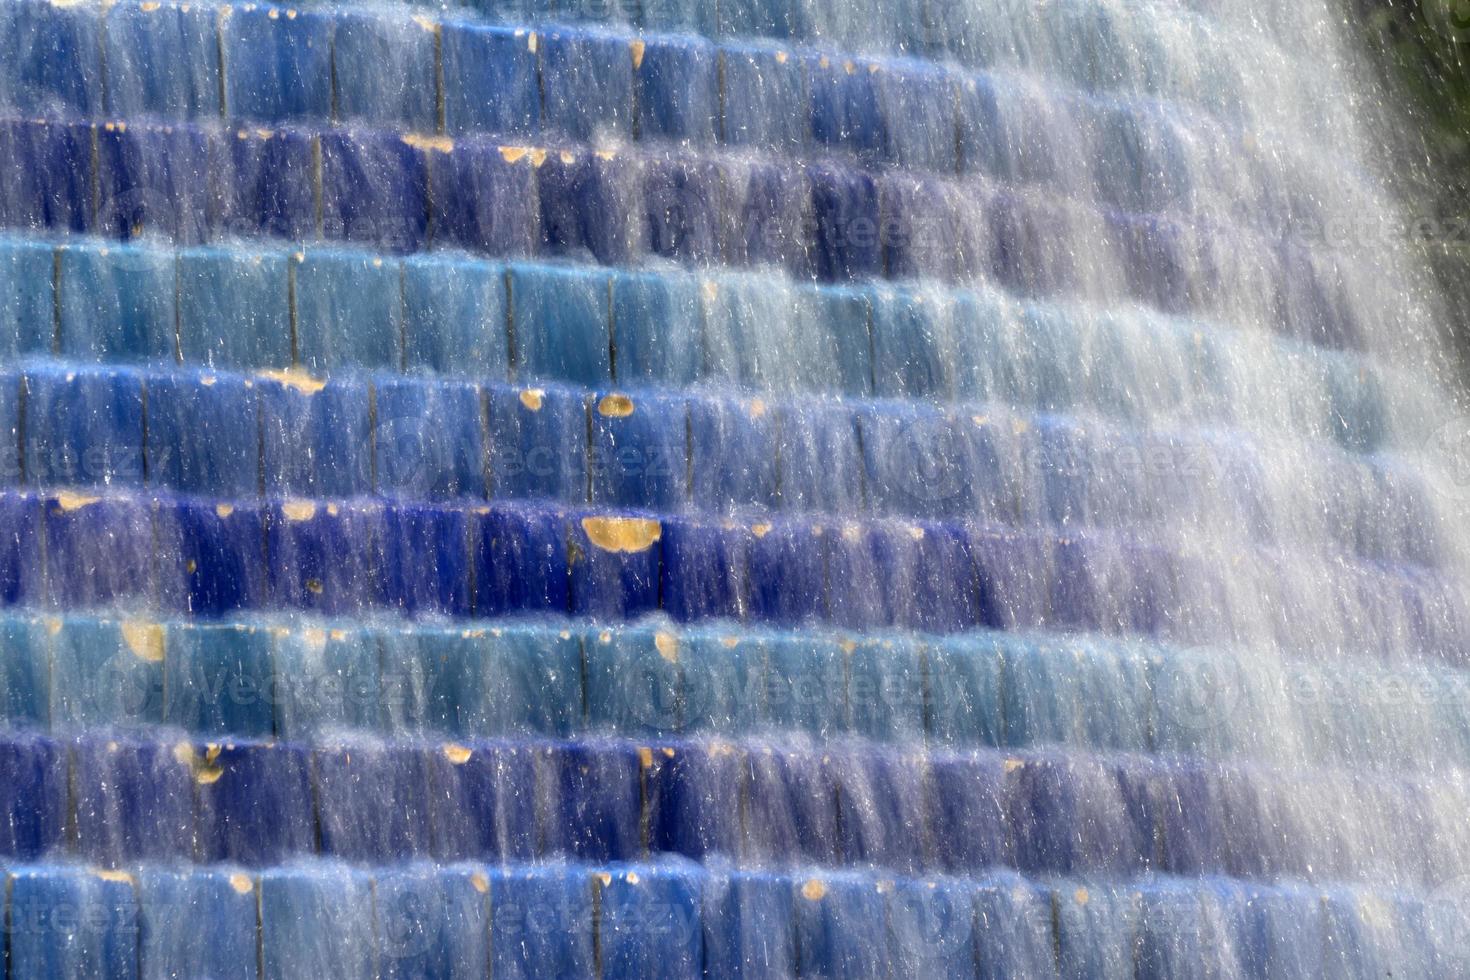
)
(814, 890)
(622, 535)
(67, 501)
(667, 645)
(295, 377)
(637, 47)
(438, 144)
(532, 398)
(241, 883)
(299, 510)
(457, 754)
(145, 640)
(615, 406)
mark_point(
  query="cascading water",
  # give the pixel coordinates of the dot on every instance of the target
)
(890, 488)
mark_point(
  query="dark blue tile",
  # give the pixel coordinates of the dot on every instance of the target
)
(51, 171)
(489, 808)
(11, 473)
(640, 450)
(749, 919)
(328, 558)
(263, 183)
(432, 922)
(655, 319)
(383, 69)
(693, 794)
(33, 797)
(614, 565)
(978, 127)
(484, 197)
(430, 440)
(765, 101)
(117, 304)
(203, 434)
(884, 810)
(1274, 932)
(153, 180)
(703, 569)
(971, 812)
(490, 80)
(542, 922)
(1013, 572)
(353, 781)
(316, 920)
(234, 309)
(649, 924)
(931, 229)
(561, 324)
(211, 556)
(771, 217)
(520, 561)
(791, 807)
(1026, 256)
(685, 203)
(733, 447)
(591, 206)
(834, 928)
(426, 567)
(590, 805)
(50, 59)
(786, 579)
(454, 311)
(218, 679)
(374, 189)
(1069, 815)
(167, 898)
(27, 297)
(99, 551)
(72, 922)
(316, 436)
(22, 575)
(349, 311)
(846, 226)
(1154, 256)
(25, 673)
(255, 802)
(538, 443)
(134, 801)
(587, 83)
(161, 60)
(676, 81)
(278, 64)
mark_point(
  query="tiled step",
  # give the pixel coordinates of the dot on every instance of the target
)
(230, 435)
(826, 220)
(117, 800)
(260, 677)
(675, 919)
(208, 556)
(451, 315)
(130, 59)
